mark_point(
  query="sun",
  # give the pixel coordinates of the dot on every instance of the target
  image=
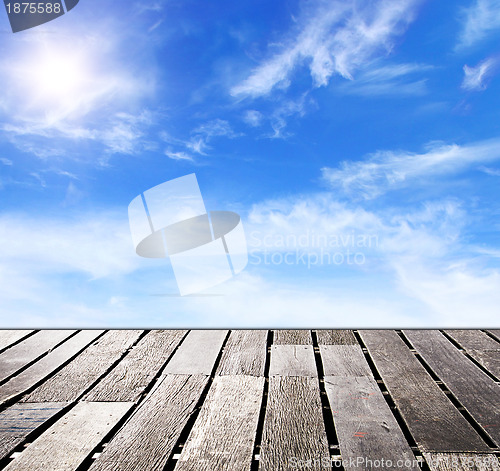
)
(59, 74)
(55, 81)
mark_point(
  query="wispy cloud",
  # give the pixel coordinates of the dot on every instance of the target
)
(178, 155)
(5, 161)
(253, 118)
(199, 142)
(396, 79)
(475, 78)
(480, 19)
(385, 170)
(333, 38)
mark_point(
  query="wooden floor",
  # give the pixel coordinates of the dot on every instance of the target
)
(249, 400)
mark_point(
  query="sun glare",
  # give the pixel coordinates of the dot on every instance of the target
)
(55, 81)
(59, 74)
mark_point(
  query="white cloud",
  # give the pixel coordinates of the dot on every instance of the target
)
(178, 155)
(336, 38)
(385, 170)
(253, 118)
(480, 19)
(6, 162)
(199, 142)
(475, 77)
(97, 245)
(397, 79)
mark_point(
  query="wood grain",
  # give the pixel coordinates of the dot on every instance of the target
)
(481, 347)
(436, 425)
(147, 439)
(292, 337)
(364, 423)
(293, 425)
(9, 337)
(477, 392)
(244, 353)
(344, 360)
(76, 377)
(71, 439)
(292, 360)
(47, 365)
(29, 350)
(336, 337)
(223, 435)
(198, 353)
(128, 380)
(461, 462)
(19, 421)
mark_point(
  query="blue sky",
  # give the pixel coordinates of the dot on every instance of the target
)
(315, 120)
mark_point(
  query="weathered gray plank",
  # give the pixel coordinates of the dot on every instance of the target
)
(18, 421)
(8, 337)
(198, 353)
(46, 365)
(71, 439)
(461, 462)
(293, 425)
(224, 433)
(344, 360)
(365, 425)
(292, 337)
(478, 393)
(76, 377)
(495, 333)
(473, 339)
(29, 350)
(436, 425)
(127, 381)
(146, 441)
(336, 337)
(479, 346)
(292, 360)
(244, 353)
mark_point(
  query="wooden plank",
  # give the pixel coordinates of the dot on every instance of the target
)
(292, 337)
(292, 360)
(461, 462)
(344, 360)
(495, 333)
(9, 337)
(29, 350)
(223, 435)
(244, 353)
(71, 439)
(365, 425)
(19, 421)
(198, 353)
(48, 364)
(147, 439)
(75, 378)
(473, 339)
(293, 426)
(477, 392)
(481, 347)
(436, 425)
(128, 380)
(336, 337)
